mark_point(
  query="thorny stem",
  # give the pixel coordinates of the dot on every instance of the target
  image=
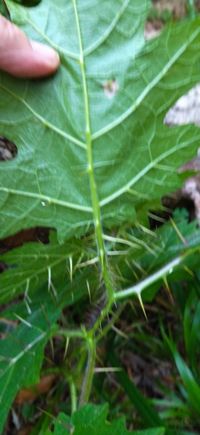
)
(89, 337)
(89, 373)
(104, 313)
(93, 187)
(138, 288)
(111, 295)
(87, 382)
(111, 323)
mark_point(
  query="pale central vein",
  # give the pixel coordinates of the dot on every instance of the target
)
(93, 187)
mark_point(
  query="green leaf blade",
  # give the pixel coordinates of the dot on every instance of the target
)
(92, 420)
(127, 105)
(21, 356)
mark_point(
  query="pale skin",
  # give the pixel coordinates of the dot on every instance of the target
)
(22, 57)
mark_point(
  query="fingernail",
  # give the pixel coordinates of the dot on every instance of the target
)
(46, 54)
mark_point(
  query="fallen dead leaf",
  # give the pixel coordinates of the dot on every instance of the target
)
(30, 394)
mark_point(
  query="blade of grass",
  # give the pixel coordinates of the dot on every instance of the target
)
(191, 386)
(146, 411)
(191, 325)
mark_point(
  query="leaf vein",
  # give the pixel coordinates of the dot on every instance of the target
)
(44, 121)
(47, 199)
(149, 167)
(109, 30)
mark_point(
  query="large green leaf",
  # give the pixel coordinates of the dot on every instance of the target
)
(93, 134)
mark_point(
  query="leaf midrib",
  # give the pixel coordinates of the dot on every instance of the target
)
(89, 50)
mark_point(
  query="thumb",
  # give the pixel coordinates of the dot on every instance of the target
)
(23, 58)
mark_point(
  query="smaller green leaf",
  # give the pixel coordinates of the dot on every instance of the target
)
(21, 354)
(35, 265)
(167, 254)
(92, 420)
(62, 425)
(175, 237)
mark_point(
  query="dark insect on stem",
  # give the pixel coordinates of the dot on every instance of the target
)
(94, 311)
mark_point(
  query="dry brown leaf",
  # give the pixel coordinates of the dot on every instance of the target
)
(30, 394)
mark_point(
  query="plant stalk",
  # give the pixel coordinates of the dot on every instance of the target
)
(93, 188)
(89, 373)
(73, 396)
(67, 333)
